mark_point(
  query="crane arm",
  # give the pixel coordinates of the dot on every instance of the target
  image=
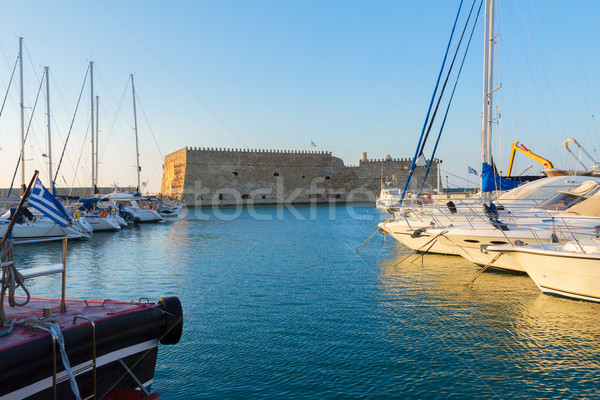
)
(516, 146)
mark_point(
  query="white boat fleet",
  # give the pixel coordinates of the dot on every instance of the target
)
(548, 228)
(90, 214)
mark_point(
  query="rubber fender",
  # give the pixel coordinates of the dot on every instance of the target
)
(174, 320)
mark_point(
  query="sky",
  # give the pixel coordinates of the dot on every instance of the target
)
(350, 76)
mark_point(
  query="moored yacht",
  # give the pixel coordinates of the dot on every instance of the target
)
(138, 206)
(568, 270)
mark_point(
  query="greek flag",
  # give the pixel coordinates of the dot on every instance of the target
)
(43, 201)
(472, 170)
(313, 144)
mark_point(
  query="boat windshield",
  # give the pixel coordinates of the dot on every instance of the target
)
(560, 202)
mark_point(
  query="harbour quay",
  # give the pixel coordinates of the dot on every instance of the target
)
(224, 177)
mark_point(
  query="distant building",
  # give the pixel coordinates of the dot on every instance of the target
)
(207, 176)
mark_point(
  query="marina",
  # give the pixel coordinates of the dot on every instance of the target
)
(298, 312)
(276, 268)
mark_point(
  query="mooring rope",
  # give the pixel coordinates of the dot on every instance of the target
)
(51, 325)
(13, 280)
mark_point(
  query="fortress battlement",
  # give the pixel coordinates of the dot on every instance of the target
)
(227, 176)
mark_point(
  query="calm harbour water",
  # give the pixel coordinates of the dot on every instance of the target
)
(278, 304)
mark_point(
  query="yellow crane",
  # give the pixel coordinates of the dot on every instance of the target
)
(517, 146)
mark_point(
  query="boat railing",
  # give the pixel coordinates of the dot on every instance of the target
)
(13, 278)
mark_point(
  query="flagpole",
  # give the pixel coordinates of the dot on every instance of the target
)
(17, 212)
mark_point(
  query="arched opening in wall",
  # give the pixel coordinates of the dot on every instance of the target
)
(234, 173)
(245, 197)
(276, 174)
(303, 176)
(220, 196)
(264, 197)
(327, 178)
(338, 196)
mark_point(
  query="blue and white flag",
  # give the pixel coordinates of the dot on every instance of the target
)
(313, 144)
(472, 171)
(43, 201)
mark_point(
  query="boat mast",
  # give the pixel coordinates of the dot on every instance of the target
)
(92, 122)
(137, 151)
(97, 141)
(488, 57)
(50, 182)
(22, 118)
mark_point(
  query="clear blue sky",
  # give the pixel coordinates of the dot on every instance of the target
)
(351, 76)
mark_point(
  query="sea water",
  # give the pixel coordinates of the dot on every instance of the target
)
(279, 304)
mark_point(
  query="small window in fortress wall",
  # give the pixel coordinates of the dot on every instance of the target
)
(406, 167)
(234, 173)
(276, 174)
(327, 178)
(245, 197)
(303, 176)
(220, 196)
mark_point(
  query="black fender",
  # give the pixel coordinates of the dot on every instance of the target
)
(174, 320)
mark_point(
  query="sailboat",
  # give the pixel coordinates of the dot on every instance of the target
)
(30, 225)
(462, 229)
(132, 206)
(99, 219)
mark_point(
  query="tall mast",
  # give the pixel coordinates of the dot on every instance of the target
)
(97, 141)
(22, 118)
(92, 122)
(50, 182)
(137, 151)
(488, 84)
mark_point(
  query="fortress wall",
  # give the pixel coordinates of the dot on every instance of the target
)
(230, 176)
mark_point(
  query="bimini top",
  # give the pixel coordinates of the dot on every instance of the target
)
(89, 202)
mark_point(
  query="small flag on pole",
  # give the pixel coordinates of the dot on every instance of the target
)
(313, 144)
(43, 201)
(472, 171)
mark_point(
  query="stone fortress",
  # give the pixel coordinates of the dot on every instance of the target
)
(215, 176)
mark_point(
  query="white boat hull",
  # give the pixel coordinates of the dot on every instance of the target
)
(574, 275)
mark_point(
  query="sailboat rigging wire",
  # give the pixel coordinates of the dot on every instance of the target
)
(412, 167)
(148, 122)
(441, 95)
(26, 134)
(9, 84)
(453, 91)
(71, 127)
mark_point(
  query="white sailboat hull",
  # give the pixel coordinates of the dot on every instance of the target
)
(108, 223)
(40, 229)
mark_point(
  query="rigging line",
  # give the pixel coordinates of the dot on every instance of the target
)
(149, 127)
(452, 94)
(114, 121)
(572, 56)
(412, 167)
(87, 129)
(520, 107)
(9, 85)
(391, 108)
(544, 73)
(71, 127)
(441, 95)
(175, 74)
(25, 137)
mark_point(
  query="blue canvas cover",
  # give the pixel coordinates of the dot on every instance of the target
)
(491, 181)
